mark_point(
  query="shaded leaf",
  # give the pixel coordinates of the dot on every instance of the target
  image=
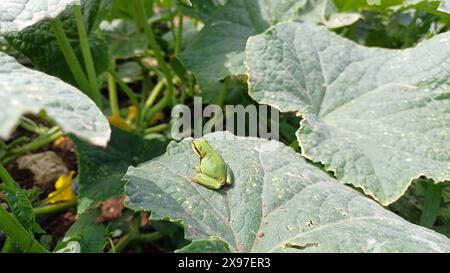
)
(91, 236)
(39, 43)
(101, 169)
(218, 50)
(123, 39)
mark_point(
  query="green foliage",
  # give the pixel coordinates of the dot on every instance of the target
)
(359, 105)
(101, 169)
(25, 89)
(364, 95)
(39, 44)
(271, 184)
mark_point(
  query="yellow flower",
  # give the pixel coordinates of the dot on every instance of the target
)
(121, 123)
(59, 141)
(64, 191)
(132, 113)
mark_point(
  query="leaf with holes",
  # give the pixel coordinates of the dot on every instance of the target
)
(277, 203)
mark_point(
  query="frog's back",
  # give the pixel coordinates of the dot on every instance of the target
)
(216, 170)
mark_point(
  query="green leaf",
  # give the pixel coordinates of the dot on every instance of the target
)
(91, 236)
(444, 6)
(277, 203)
(16, 16)
(212, 245)
(385, 6)
(218, 50)
(39, 43)
(101, 169)
(123, 39)
(382, 5)
(27, 91)
(377, 118)
(22, 209)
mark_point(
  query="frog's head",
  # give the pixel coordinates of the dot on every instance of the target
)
(200, 146)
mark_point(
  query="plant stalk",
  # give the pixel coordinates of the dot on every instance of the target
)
(127, 90)
(179, 37)
(223, 92)
(152, 98)
(112, 89)
(86, 51)
(156, 129)
(431, 205)
(14, 230)
(141, 18)
(71, 58)
(52, 209)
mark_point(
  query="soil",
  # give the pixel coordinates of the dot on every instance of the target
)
(55, 225)
(58, 225)
(65, 150)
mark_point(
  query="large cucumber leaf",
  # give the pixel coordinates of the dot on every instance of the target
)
(16, 15)
(277, 203)
(377, 118)
(218, 50)
(23, 90)
(35, 39)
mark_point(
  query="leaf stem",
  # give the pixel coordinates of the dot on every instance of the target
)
(150, 237)
(152, 98)
(127, 90)
(43, 140)
(112, 89)
(223, 92)
(179, 37)
(29, 125)
(5, 188)
(7, 178)
(86, 51)
(9, 246)
(431, 205)
(156, 129)
(71, 58)
(14, 230)
(52, 135)
(54, 208)
(141, 18)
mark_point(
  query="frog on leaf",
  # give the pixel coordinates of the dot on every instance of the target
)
(212, 172)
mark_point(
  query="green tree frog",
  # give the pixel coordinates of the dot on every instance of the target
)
(212, 172)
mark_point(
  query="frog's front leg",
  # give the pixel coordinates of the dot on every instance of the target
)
(207, 181)
(229, 178)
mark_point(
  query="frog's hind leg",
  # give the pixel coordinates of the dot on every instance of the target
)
(206, 181)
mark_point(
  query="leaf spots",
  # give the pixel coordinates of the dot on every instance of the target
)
(301, 247)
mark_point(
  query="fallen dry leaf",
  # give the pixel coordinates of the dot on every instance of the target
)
(111, 209)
